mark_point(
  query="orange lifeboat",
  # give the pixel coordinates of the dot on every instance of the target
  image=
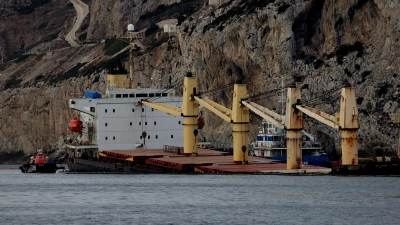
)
(75, 125)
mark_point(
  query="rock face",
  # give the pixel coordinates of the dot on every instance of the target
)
(328, 42)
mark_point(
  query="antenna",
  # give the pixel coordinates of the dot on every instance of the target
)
(281, 99)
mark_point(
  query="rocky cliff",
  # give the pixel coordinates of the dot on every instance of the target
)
(328, 42)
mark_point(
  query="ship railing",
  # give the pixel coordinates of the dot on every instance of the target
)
(271, 144)
(173, 149)
(76, 95)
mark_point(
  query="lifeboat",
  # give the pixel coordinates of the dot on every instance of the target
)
(75, 125)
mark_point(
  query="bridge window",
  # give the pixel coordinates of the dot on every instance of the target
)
(118, 95)
(260, 138)
(125, 95)
(269, 138)
(141, 95)
(158, 94)
(131, 95)
(151, 95)
(164, 94)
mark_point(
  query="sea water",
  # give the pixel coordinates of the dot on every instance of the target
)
(196, 199)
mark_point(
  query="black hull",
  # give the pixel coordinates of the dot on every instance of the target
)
(78, 165)
(44, 168)
(81, 168)
(371, 169)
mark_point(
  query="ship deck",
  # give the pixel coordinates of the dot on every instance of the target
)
(207, 161)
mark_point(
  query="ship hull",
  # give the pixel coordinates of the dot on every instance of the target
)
(44, 168)
(321, 161)
(78, 165)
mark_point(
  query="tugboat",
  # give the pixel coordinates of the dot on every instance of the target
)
(39, 163)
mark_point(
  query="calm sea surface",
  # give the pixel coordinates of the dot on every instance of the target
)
(196, 199)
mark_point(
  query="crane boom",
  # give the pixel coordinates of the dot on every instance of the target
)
(164, 108)
(319, 115)
(265, 113)
(219, 110)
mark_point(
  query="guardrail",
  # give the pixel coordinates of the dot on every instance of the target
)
(173, 149)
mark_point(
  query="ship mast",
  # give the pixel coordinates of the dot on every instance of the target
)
(131, 37)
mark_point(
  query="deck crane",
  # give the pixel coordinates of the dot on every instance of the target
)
(347, 123)
(238, 116)
(189, 112)
(293, 125)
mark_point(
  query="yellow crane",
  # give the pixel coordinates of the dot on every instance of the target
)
(189, 112)
(347, 122)
(238, 116)
(293, 124)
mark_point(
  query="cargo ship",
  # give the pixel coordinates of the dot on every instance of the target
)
(39, 163)
(271, 143)
(117, 121)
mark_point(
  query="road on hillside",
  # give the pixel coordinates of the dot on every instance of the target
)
(81, 12)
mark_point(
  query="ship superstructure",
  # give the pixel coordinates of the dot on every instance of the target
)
(118, 121)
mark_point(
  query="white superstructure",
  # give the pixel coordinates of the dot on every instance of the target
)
(117, 121)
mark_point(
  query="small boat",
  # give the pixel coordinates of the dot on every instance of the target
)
(39, 163)
(271, 143)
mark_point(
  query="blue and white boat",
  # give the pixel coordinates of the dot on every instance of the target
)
(271, 143)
